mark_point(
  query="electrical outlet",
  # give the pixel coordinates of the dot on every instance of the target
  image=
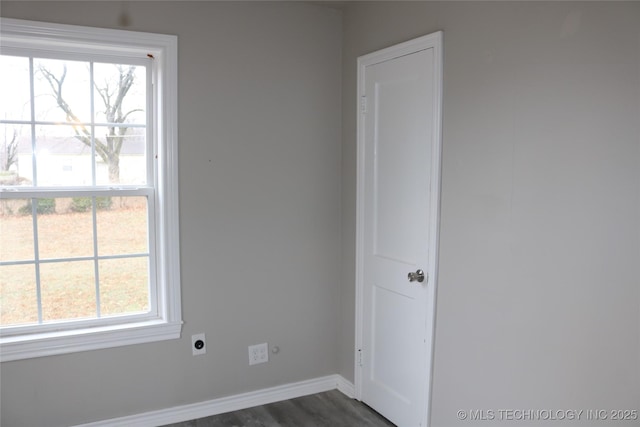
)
(258, 353)
(198, 344)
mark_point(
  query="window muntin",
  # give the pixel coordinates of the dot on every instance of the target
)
(145, 127)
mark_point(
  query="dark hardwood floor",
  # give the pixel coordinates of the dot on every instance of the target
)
(328, 409)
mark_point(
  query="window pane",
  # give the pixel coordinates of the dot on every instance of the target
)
(63, 155)
(123, 229)
(16, 162)
(120, 93)
(68, 290)
(14, 87)
(16, 230)
(124, 285)
(18, 297)
(65, 227)
(62, 90)
(127, 163)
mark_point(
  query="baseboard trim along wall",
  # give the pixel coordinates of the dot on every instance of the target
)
(231, 403)
(346, 387)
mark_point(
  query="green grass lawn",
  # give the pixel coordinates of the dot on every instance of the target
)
(68, 289)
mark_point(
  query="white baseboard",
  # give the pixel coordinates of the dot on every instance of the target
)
(346, 387)
(231, 403)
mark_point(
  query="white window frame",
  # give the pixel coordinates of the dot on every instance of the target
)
(166, 323)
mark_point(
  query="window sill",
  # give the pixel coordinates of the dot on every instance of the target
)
(95, 338)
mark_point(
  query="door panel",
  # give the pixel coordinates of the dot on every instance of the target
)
(396, 163)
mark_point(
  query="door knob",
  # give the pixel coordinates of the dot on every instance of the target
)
(418, 276)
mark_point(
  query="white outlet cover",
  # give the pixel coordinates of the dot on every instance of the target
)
(258, 353)
(195, 338)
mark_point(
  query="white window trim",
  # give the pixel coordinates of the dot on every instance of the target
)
(164, 49)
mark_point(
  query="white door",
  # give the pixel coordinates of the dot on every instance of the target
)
(398, 193)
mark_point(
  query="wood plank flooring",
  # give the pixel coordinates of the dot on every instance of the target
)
(328, 409)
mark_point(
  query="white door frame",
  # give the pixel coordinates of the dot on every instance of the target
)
(431, 41)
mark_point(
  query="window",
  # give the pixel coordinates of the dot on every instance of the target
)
(88, 189)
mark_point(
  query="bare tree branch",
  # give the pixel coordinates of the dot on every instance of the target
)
(10, 152)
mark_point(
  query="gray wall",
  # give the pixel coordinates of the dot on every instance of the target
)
(259, 146)
(538, 298)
